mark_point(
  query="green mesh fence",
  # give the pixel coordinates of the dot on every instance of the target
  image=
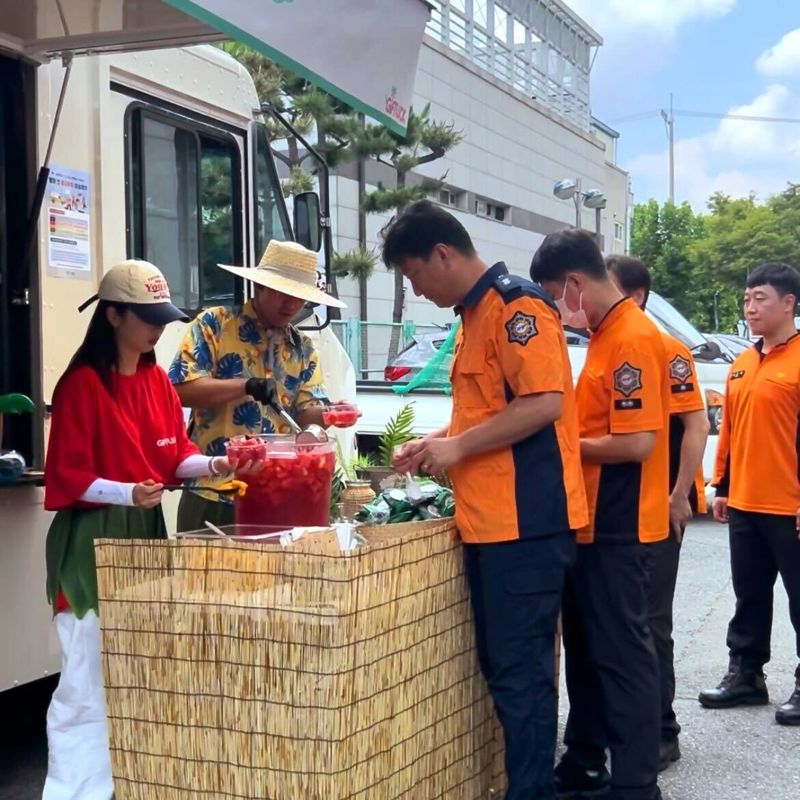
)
(436, 373)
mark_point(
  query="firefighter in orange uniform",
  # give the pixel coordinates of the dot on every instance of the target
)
(758, 487)
(511, 451)
(610, 657)
(688, 431)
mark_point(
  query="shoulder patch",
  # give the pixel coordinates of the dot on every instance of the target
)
(521, 328)
(627, 379)
(512, 287)
(680, 369)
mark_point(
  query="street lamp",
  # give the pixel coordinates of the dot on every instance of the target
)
(570, 189)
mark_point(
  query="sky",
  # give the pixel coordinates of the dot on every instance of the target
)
(721, 56)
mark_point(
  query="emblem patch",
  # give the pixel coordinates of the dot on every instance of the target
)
(738, 374)
(680, 369)
(521, 328)
(627, 379)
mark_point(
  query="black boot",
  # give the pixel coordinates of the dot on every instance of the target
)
(656, 796)
(574, 781)
(789, 712)
(740, 687)
(668, 754)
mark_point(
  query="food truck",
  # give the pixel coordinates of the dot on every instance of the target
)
(122, 134)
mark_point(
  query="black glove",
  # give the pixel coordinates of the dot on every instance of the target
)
(262, 389)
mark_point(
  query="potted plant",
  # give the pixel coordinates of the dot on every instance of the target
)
(348, 490)
(399, 430)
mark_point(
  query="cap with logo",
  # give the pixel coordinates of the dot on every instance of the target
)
(143, 288)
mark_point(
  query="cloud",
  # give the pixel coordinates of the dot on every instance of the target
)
(752, 141)
(640, 32)
(737, 157)
(783, 59)
(617, 18)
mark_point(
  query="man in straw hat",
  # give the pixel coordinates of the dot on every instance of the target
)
(232, 362)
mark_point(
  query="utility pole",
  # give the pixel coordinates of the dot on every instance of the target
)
(669, 121)
(361, 166)
(577, 199)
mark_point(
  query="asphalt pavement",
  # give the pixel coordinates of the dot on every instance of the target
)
(737, 754)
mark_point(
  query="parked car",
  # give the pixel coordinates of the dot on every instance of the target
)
(417, 353)
(377, 402)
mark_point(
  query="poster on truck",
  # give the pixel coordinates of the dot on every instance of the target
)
(68, 204)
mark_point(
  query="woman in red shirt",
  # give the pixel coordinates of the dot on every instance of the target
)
(117, 437)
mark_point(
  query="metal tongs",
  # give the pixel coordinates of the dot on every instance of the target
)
(309, 435)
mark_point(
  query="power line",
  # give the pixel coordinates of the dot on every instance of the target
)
(746, 117)
(634, 117)
(707, 114)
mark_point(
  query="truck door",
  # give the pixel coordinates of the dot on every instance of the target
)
(17, 140)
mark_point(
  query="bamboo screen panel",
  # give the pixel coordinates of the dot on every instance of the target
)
(244, 670)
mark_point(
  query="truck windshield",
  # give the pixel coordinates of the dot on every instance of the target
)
(271, 219)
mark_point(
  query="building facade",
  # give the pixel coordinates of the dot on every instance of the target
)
(513, 78)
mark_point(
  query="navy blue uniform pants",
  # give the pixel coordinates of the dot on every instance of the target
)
(763, 546)
(516, 591)
(611, 667)
(661, 595)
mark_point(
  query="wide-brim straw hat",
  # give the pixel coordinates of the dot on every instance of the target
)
(289, 268)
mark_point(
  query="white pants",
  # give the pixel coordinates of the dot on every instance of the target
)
(78, 767)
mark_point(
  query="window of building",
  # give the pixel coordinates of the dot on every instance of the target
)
(501, 23)
(479, 14)
(486, 208)
(185, 203)
(520, 33)
(448, 196)
(619, 232)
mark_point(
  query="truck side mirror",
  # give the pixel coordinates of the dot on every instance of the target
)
(307, 222)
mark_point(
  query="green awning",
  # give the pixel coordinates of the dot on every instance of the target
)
(362, 51)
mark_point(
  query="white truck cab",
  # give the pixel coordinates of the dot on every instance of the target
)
(157, 156)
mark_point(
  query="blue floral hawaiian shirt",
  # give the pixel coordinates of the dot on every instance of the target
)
(232, 343)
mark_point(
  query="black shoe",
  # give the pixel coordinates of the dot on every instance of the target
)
(789, 712)
(574, 782)
(656, 796)
(738, 688)
(668, 753)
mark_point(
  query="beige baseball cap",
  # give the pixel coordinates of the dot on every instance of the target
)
(143, 288)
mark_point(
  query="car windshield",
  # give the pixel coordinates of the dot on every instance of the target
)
(673, 322)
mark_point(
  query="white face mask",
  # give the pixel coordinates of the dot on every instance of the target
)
(572, 319)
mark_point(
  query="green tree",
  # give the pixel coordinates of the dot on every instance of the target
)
(424, 141)
(662, 237)
(740, 235)
(700, 262)
(310, 111)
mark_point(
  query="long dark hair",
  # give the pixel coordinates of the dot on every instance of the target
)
(99, 348)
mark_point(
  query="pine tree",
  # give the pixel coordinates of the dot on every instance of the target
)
(309, 110)
(423, 142)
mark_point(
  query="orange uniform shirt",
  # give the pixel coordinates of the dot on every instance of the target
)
(623, 389)
(511, 344)
(758, 453)
(684, 397)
